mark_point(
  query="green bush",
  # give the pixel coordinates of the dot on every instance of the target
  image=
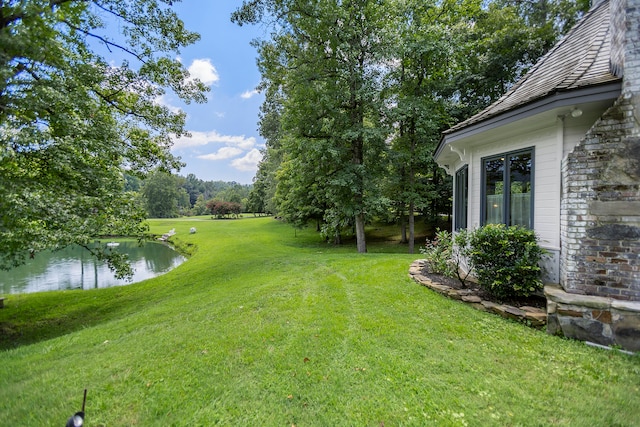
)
(505, 260)
(438, 253)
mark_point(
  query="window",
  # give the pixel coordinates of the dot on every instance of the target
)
(507, 185)
(461, 198)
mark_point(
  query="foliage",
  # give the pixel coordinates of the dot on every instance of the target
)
(460, 256)
(448, 254)
(294, 333)
(323, 60)
(163, 195)
(417, 111)
(200, 192)
(70, 121)
(358, 93)
(506, 260)
(200, 206)
(439, 252)
(223, 209)
(499, 43)
(262, 196)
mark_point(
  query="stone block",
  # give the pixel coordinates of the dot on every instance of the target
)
(443, 289)
(536, 319)
(529, 309)
(414, 270)
(478, 306)
(488, 305)
(585, 330)
(422, 279)
(553, 327)
(453, 294)
(603, 316)
(626, 332)
(565, 312)
(511, 312)
(558, 295)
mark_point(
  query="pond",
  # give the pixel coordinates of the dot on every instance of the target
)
(75, 268)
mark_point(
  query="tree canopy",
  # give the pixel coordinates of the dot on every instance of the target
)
(71, 123)
(359, 91)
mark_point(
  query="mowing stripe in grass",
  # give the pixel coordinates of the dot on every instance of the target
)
(267, 326)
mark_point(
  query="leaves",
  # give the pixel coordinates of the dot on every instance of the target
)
(70, 123)
(359, 92)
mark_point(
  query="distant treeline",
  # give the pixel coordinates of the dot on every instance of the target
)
(167, 195)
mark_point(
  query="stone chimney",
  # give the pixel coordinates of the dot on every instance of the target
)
(625, 42)
(599, 298)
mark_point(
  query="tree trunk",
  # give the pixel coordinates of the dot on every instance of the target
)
(403, 228)
(360, 237)
(412, 222)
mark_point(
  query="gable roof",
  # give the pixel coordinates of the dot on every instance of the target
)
(580, 60)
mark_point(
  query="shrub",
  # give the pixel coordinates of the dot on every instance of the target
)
(223, 209)
(506, 260)
(460, 252)
(438, 253)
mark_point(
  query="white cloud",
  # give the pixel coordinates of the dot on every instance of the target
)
(222, 154)
(249, 162)
(212, 137)
(249, 94)
(204, 70)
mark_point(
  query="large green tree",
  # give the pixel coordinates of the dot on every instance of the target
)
(326, 59)
(164, 195)
(415, 91)
(362, 90)
(70, 122)
(497, 42)
(262, 196)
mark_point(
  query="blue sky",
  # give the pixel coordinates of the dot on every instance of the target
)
(225, 144)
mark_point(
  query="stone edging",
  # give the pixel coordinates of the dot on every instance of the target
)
(532, 316)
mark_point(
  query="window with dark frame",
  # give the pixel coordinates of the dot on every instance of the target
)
(507, 189)
(462, 198)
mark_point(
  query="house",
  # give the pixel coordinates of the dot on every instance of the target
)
(560, 153)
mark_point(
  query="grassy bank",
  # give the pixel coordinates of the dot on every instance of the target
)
(267, 326)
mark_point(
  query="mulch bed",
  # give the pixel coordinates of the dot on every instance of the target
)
(537, 300)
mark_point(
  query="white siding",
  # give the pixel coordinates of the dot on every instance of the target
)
(546, 180)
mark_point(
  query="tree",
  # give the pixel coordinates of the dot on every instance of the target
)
(194, 187)
(222, 209)
(262, 196)
(415, 89)
(359, 91)
(163, 195)
(200, 206)
(500, 42)
(70, 122)
(326, 59)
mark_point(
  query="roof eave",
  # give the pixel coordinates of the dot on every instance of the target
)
(595, 93)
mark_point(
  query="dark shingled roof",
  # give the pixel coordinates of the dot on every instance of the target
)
(579, 60)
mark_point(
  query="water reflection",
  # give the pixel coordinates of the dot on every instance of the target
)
(75, 268)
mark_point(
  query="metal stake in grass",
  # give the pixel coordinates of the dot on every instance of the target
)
(77, 420)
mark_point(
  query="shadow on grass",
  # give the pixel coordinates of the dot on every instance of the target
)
(32, 318)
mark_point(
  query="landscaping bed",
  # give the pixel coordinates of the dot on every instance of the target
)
(530, 310)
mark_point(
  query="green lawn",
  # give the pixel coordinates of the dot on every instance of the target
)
(267, 326)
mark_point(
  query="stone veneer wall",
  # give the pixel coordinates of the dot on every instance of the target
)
(600, 212)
